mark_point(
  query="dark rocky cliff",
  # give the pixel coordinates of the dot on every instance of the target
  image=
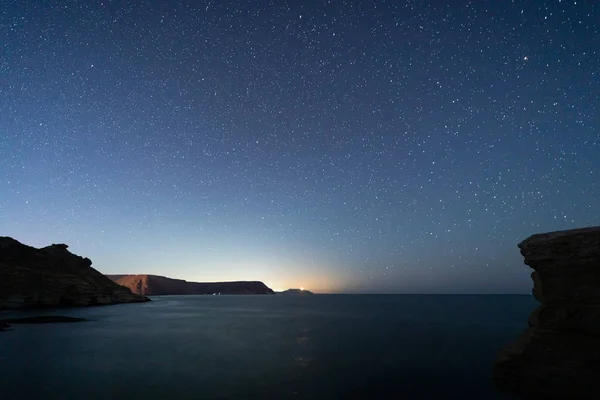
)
(149, 285)
(558, 356)
(53, 277)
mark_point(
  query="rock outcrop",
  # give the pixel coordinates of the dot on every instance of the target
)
(559, 355)
(53, 277)
(154, 285)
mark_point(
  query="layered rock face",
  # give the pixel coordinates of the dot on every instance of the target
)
(559, 355)
(154, 285)
(53, 277)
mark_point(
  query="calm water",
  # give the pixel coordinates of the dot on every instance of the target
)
(266, 347)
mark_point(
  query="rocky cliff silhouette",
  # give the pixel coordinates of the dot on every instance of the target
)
(559, 355)
(154, 285)
(52, 276)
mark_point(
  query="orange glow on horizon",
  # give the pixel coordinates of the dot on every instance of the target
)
(278, 275)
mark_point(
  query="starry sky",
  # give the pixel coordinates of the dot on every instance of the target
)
(342, 146)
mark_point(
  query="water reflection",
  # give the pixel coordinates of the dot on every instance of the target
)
(303, 361)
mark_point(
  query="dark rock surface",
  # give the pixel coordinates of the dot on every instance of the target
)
(154, 285)
(53, 277)
(559, 355)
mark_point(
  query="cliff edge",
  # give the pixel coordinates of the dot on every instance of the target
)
(53, 277)
(558, 355)
(154, 285)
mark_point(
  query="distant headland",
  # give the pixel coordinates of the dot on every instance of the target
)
(155, 285)
(52, 276)
(295, 292)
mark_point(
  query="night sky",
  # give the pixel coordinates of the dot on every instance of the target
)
(342, 146)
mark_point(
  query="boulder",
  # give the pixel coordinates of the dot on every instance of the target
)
(559, 355)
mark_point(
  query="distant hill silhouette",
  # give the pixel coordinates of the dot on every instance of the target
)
(296, 292)
(155, 285)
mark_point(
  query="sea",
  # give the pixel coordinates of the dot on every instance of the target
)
(266, 347)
